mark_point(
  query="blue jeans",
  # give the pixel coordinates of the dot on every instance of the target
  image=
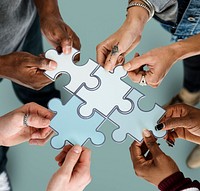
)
(183, 29)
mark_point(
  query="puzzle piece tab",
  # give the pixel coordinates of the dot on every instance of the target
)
(71, 127)
(111, 93)
(133, 123)
(78, 74)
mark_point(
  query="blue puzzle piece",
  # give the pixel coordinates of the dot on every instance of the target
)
(71, 127)
(133, 123)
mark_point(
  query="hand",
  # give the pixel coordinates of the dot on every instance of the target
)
(74, 173)
(59, 34)
(26, 69)
(159, 62)
(126, 38)
(156, 166)
(13, 131)
(182, 121)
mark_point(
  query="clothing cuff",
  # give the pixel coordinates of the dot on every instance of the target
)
(170, 182)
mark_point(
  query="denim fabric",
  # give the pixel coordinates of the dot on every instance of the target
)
(33, 45)
(188, 24)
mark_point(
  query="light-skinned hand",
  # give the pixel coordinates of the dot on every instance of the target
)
(158, 60)
(127, 37)
(13, 131)
(154, 167)
(74, 171)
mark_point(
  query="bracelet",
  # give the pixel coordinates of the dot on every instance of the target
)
(146, 5)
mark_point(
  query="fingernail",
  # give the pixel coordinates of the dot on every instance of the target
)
(77, 149)
(45, 122)
(52, 65)
(127, 66)
(159, 127)
(170, 143)
(67, 50)
(121, 59)
(146, 133)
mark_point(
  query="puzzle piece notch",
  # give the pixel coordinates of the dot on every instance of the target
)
(133, 123)
(72, 128)
(78, 74)
(107, 97)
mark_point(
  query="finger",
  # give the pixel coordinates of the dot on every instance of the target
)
(136, 153)
(41, 142)
(61, 156)
(34, 120)
(136, 63)
(34, 108)
(66, 45)
(135, 77)
(46, 64)
(111, 60)
(41, 133)
(71, 159)
(101, 54)
(173, 123)
(85, 156)
(151, 143)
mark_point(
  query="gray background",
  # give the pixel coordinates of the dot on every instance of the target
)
(30, 167)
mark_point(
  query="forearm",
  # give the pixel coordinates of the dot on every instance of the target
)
(137, 17)
(187, 48)
(177, 181)
(4, 67)
(46, 7)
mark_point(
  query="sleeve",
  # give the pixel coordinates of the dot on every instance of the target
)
(166, 10)
(177, 181)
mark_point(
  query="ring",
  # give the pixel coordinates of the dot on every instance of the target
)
(25, 120)
(115, 49)
(143, 81)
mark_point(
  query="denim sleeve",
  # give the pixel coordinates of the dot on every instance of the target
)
(166, 10)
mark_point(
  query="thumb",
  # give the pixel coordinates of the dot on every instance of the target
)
(151, 143)
(71, 159)
(46, 64)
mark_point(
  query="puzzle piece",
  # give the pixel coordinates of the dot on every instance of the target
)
(111, 93)
(78, 74)
(133, 123)
(71, 127)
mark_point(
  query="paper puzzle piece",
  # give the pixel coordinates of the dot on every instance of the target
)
(78, 74)
(110, 95)
(71, 127)
(133, 123)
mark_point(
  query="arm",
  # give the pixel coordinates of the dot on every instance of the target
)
(36, 130)
(74, 171)
(157, 168)
(59, 34)
(177, 181)
(126, 37)
(160, 60)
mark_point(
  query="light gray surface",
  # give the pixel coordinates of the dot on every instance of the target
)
(31, 167)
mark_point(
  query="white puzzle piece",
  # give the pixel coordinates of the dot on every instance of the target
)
(78, 74)
(111, 93)
(133, 123)
(71, 127)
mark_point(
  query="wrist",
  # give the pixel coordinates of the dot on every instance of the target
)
(46, 8)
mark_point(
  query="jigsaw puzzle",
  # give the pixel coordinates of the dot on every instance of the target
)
(71, 127)
(97, 95)
(111, 93)
(78, 74)
(133, 123)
